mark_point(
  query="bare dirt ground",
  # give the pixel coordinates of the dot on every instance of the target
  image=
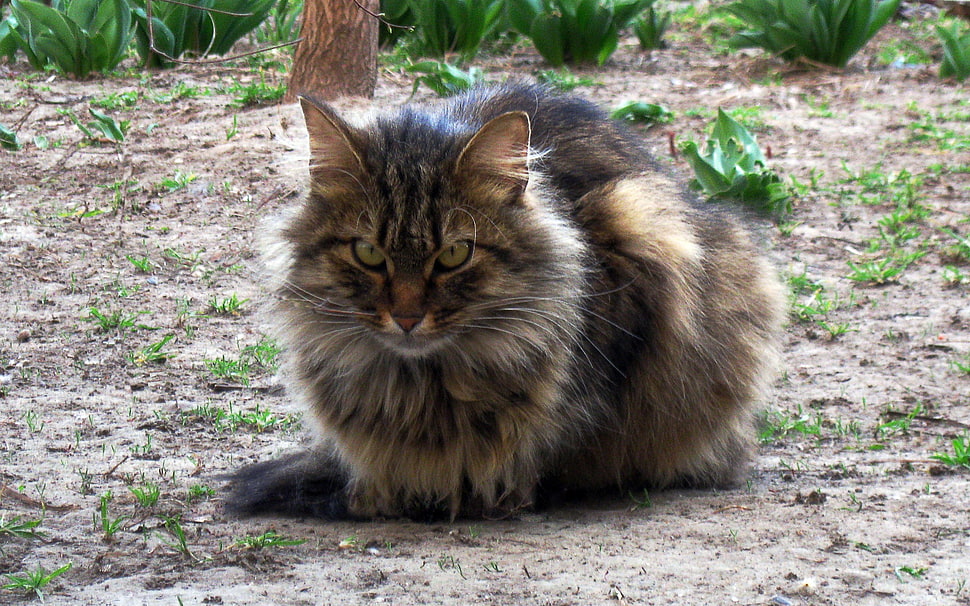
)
(107, 250)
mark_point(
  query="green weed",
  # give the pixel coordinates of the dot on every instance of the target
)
(443, 78)
(180, 180)
(960, 456)
(102, 518)
(267, 539)
(227, 306)
(147, 495)
(152, 353)
(32, 582)
(20, 528)
(563, 79)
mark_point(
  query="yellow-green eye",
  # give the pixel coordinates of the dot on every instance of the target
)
(455, 255)
(368, 254)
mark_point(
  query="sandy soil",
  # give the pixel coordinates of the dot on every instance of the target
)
(845, 504)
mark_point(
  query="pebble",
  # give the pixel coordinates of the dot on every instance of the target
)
(23, 336)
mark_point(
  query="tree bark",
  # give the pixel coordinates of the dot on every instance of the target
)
(338, 54)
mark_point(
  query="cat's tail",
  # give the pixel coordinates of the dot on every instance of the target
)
(307, 483)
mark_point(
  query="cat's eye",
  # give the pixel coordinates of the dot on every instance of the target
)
(455, 255)
(367, 254)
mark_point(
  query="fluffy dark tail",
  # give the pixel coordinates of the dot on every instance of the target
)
(309, 483)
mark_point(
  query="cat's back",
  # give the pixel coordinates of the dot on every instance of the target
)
(581, 148)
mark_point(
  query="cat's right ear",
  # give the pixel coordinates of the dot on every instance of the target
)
(335, 159)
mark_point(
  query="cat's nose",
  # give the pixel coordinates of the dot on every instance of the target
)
(407, 323)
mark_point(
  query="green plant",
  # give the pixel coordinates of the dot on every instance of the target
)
(956, 52)
(31, 583)
(173, 525)
(447, 26)
(19, 528)
(961, 452)
(76, 36)
(258, 92)
(776, 425)
(962, 366)
(639, 111)
(734, 168)
(829, 32)
(179, 181)
(881, 271)
(104, 128)
(650, 28)
(227, 306)
(199, 28)
(8, 139)
(443, 78)
(574, 31)
(147, 495)
(282, 24)
(562, 79)
(153, 353)
(198, 492)
(109, 526)
(267, 539)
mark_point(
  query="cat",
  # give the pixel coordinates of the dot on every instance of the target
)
(501, 295)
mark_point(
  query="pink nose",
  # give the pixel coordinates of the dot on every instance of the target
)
(407, 323)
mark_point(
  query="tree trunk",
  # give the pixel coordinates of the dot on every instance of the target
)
(338, 54)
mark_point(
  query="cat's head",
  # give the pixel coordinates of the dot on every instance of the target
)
(422, 232)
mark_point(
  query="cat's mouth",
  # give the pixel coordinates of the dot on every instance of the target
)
(410, 336)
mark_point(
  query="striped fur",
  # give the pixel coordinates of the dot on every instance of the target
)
(605, 331)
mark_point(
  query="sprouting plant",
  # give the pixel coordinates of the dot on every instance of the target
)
(103, 129)
(267, 539)
(778, 424)
(173, 524)
(962, 366)
(32, 582)
(960, 456)
(142, 264)
(20, 528)
(152, 353)
(235, 370)
(641, 501)
(734, 168)
(897, 424)
(822, 31)
(9, 139)
(147, 495)
(258, 92)
(443, 78)
(180, 180)
(639, 111)
(102, 518)
(881, 271)
(449, 562)
(227, 306)
(563, 79)
(198, 492)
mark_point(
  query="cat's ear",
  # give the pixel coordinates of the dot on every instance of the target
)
(334, 156)
(497, 157)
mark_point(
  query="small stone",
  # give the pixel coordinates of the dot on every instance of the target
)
(23, 336)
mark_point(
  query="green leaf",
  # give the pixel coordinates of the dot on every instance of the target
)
(9, 139)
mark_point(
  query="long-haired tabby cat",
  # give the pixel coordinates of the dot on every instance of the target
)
(501, 294)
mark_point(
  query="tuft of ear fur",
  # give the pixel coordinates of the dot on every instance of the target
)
(497, 157)
(334, 156)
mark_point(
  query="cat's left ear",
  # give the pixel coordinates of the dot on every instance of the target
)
(497, 157)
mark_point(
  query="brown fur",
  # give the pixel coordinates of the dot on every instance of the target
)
(605, 330)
